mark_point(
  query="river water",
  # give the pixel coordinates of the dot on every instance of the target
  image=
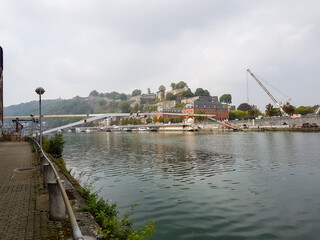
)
(207, 185)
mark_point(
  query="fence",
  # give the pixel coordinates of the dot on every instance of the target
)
(58, 199)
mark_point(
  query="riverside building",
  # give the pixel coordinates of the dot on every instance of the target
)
(216, 109)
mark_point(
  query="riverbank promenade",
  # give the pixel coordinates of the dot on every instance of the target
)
(23, 199)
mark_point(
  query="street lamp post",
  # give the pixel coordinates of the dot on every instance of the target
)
(40, 91)
(32, 121)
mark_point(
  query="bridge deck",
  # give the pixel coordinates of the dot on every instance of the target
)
(23, 200)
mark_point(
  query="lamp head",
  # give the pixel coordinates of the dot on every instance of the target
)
(40, 91)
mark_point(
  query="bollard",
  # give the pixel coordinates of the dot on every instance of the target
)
(43, 160)
(57, 208)
(48, 174)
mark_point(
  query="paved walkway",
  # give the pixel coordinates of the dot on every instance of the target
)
(23, 200)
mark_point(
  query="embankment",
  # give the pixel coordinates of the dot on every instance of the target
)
(270, 123)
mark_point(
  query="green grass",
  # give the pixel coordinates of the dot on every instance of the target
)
(112, 226)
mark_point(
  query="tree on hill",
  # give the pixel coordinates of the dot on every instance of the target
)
(94, 93)
(201, 92)
(162, 88)
(243, 107)
(170, 96)
(238, 114)
(272, 111)
(187, 93)
(226, 98)
(289, 109)
(121, 96)
(304, 110)
(125, 107)
(254, 111)
(135, 108)
(178, 85)
(269, 110)
(136, 92)
(112, 95)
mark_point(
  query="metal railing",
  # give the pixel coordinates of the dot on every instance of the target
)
(75, 227)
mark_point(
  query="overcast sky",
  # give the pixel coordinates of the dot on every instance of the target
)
(70, 47)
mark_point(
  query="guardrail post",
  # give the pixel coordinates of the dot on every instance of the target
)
(43, 160)
(48, 174)
(57, 209)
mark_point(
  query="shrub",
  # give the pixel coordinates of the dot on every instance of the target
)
(54, 145)
(112, 226)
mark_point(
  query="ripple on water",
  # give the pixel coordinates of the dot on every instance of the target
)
(208, 186)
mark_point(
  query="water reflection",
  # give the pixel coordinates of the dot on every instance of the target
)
(208, 186)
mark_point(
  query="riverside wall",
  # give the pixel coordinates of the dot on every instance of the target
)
(267, 122)
(278, 121)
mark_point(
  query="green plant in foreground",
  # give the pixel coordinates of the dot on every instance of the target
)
(54, 145)
(112, 226)
(61, 163)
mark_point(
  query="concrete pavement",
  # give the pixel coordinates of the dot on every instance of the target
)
(23, 200)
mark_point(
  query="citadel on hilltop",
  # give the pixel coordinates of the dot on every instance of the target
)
(180, 99)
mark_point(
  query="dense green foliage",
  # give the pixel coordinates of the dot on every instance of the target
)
(238, 114)
(136, 92)
(162, 88)
(71, 106)
(178, 85)
(113, 95)
(271, 111)
(187, 93)
(113, 226)
(289, 109)
(304, 110)
(180, 105)
(54, 145)
(125, 107)
(25, 109)
(170, 96)
(226, 98)
(253, 112)
(243, 107)
(130, 121)
(142, 108)
(93, 93)
(201, 92)
(173, 120)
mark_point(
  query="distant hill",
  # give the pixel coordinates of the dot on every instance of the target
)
(76, 105)
(25, 109)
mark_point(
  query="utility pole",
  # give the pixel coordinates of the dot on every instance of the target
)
(1, 91)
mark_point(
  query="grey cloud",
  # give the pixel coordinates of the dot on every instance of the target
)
(72, 47)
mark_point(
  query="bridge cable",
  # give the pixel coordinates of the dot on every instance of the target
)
(247, 88)
(270, 85)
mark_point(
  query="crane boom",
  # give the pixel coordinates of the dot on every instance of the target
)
(269, 94)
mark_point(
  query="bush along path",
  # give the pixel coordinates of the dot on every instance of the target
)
(112, 225)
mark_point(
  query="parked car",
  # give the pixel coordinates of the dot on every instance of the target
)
(305, 125)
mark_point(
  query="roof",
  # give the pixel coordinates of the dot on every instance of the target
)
(205, 104)
(171, 110)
